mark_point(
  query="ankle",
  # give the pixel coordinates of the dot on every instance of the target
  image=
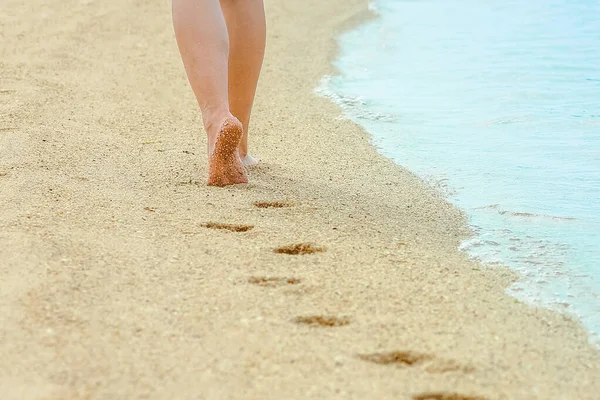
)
(212, 120)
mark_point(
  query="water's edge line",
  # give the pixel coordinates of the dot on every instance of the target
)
(352, 22)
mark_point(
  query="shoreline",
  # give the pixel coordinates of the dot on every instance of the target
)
(114, 284)
(524, 289)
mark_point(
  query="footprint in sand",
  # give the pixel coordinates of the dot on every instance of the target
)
(190, 182)
(273, 204)
(405, 359)
(446, 396)
(273, 281)
(228, 227)
(299, 249)
(321, 320)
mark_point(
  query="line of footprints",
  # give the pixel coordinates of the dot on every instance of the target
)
(401, 359)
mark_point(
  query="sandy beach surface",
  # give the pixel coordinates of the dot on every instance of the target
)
(122, 276)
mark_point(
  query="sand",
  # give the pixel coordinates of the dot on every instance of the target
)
(123, 276)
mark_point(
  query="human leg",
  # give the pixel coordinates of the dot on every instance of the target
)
(203, 42)
(246, 25)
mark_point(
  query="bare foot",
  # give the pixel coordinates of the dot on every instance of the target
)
(250, 161)
(224, 164)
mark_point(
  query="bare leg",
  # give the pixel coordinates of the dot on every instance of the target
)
(204, 46)
(247, 34)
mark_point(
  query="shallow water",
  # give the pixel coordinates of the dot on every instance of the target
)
(498, 104)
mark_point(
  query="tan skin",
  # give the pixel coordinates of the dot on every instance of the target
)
(222, 45)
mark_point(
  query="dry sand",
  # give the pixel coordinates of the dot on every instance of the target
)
(114, 284)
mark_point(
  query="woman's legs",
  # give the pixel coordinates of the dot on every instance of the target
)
(203, 42)
(247, 34)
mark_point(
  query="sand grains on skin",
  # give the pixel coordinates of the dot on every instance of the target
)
(224, 164)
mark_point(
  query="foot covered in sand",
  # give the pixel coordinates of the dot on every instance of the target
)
(224, 164)
(250, 161)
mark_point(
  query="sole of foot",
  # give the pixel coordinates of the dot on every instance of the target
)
(224, 165)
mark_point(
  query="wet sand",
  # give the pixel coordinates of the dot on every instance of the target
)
(332, 274)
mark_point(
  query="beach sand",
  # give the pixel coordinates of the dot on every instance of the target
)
(116, 281)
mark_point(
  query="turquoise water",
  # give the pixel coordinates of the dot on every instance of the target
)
(496, 103)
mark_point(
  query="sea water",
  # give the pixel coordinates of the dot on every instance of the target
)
(497, 103)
